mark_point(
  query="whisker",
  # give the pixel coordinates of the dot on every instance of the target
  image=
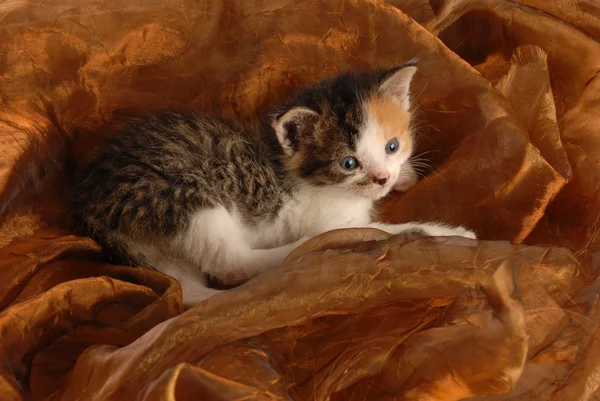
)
(419, 95)
(428, 151)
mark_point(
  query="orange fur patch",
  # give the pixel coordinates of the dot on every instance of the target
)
(391, 118)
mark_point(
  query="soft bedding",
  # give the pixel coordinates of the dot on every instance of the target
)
(508, 96)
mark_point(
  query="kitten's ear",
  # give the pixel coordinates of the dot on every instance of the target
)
(291, 127)
(397, 85)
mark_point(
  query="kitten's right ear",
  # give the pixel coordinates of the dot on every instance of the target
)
(397, 85)
(291, 127)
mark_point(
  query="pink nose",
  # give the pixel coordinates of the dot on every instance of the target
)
(380, 179)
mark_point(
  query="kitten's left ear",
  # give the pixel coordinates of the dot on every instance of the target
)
(296, 125)
(397, 85)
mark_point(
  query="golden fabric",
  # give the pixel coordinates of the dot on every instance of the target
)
(508, 101)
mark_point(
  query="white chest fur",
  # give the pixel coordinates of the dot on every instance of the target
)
(219, 243)
(311, 211)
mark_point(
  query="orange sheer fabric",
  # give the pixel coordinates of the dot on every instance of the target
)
(508, 112)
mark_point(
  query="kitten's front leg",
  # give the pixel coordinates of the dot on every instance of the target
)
(427, 229)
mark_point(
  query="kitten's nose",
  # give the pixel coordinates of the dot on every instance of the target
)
(381, 180)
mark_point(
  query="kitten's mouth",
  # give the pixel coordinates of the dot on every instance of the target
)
(374, 191)
(385, 189)
(381, 191)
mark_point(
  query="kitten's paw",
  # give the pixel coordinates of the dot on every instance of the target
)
(463, 232)
(406, 180)
(448, 231)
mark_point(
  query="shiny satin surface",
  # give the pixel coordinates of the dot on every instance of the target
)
(507, 103)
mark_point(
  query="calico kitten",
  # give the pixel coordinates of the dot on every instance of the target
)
(191, 195)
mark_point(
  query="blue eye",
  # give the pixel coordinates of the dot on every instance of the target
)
(349, 163)
(392, 146)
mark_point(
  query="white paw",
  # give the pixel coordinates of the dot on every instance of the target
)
(463, 232)
(406, 180)
(447, 231)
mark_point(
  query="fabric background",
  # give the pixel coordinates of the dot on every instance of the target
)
(508, 108)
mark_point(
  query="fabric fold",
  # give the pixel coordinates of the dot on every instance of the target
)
(506, 116)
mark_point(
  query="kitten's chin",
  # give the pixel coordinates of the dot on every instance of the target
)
(372, 192)
(382, 193)
(378, 192)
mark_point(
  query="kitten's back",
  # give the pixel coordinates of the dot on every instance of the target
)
(149, 178)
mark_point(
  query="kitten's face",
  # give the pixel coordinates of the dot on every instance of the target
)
(351, 133)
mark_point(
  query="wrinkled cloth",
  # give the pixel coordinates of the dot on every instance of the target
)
(508, 114)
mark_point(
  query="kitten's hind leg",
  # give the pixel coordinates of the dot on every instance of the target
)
(215, 243)
(244, 263)
(193, 284)
(192, 281)
(428, 229)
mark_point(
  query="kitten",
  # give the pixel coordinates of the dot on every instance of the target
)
(191, 195)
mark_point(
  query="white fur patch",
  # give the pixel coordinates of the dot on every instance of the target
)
(370, 149)
(218, 242)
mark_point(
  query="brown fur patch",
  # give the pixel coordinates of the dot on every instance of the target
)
(392, 119)
(318, 154)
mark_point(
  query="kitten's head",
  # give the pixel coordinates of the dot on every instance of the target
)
(351, 132)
